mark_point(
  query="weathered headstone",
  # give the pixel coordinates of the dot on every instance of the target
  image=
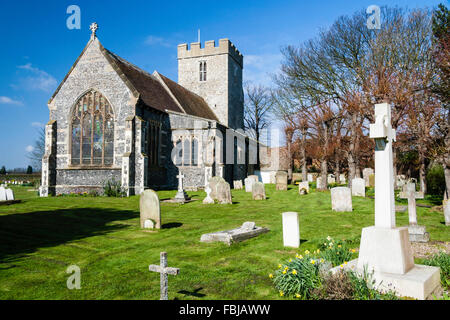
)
(213, 183)
(296, 176)
(2, 194)
(342, 178)
(237, 184)
(446, 209)
(331, 179)
(341, 199)
(248, 184)
(320, 184)
(358, 187)
(208, 199)
(223, 193)
(385, 249)
(291, 230)
(9, 195)
(149, 209)
(164, 270)
(310, 177)
(303, 187)
(258, 191)
(416, 233)
(281, 180)
(366, 173)
(246, 231)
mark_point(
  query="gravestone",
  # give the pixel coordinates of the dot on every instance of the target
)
(331, 179)
(291, 230)
(310, 177)
(208, 199)
(246, 231)
(9, 195)
(281, 180)
(385, 250)
(237, 184)
(258, 191)
(254, 177)
(2, 194)
(400, 180)
(181, 195)
(320, 184)
(358, 187)
(303, 187)
(249, 181)
(164, 270)
(446, 209)
(213, 184)
(223, 193)
(366, 173)
(341, 199)
(372, 180)
(149, 209)
(416, 233)
(296, 177)
(342, 178)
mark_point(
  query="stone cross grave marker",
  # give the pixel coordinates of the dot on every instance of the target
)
(416, 233)
(208, 199)
(291, 231)
(164, 270)
(181, 195)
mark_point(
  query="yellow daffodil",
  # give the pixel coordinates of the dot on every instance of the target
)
(306, 251)
(290, 260)
(300, 257)
(284, 271)
(279, 266)
(341, 266)
(297, 295)
(270, 276)
(313, 261)
(339, 246)
(321, 260)
(318, 250)
(345, 262)
(294, 271)
(281, 293)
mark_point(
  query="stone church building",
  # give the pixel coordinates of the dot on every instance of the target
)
(112, 120)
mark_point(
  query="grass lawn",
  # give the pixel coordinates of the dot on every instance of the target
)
(41, 237)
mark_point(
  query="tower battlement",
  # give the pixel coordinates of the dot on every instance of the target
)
(210, 48)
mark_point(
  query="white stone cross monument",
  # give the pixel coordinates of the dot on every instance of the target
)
(164, 270)
(385, 249)
(181, 196)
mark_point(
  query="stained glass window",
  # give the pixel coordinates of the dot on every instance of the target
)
(92, 141)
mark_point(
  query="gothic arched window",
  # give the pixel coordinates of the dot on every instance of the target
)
(92, 135)
(187, 152)
(194, 152)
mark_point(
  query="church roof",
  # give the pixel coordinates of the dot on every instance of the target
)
(156, 91)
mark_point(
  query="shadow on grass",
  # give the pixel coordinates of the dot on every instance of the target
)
(24, 233)
(171, 225)
(194, 293)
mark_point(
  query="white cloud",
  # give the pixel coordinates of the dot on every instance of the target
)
(29, 148)
(38, 80)
(8, 100)
(37, 124)
(259, 68)
(157, 41)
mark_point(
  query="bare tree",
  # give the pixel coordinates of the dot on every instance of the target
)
(35, 156)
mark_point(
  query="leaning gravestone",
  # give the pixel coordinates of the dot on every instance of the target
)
(291, 231)
(341, 199)
(246, 231)
(258, 191)
(358, 187)
(213, 181)
(2, 194)
(303, 187)
(281, 180)
(223, 193)
(9, 195)
(366, 173)
(149, 209)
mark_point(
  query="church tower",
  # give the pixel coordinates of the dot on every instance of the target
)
(215, 74)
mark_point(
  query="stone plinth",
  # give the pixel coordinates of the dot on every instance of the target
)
(418, 233)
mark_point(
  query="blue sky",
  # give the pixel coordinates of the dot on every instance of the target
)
(38, 49)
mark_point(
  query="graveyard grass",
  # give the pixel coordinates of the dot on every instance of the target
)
(41, 237)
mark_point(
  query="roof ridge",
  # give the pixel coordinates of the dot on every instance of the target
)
(163, 83)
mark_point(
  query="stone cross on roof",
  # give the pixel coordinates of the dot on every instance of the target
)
(94, 28)
(164, 270)
(384, 135)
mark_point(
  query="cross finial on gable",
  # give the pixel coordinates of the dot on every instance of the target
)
(93, 27)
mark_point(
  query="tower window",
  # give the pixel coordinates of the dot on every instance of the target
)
(202, 70)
